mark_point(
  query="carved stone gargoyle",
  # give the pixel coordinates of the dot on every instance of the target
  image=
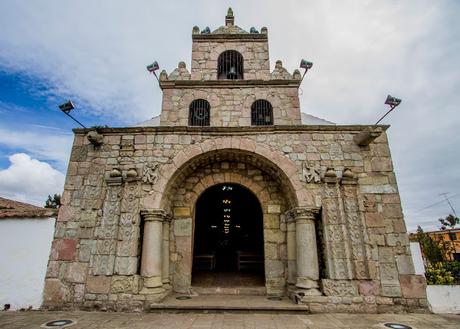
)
(367, 136)
(95, 138)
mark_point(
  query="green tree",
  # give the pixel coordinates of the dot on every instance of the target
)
(434, 249)
(53, 202)
(449, 222)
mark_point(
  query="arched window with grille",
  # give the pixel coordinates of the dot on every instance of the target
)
(199, 113)
(261, 113)
(230, 65)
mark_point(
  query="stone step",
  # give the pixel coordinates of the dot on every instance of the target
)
(227, 304)
(245, 291)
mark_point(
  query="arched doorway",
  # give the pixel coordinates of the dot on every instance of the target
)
(228, 248)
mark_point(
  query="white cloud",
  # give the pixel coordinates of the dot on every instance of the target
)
(30, 180)
(42, 145)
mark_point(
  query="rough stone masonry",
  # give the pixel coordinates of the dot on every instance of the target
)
(333, 229)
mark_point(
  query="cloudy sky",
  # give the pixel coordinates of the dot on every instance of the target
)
(95, 53)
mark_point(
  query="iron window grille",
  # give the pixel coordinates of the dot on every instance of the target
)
(261, 113)
(199, 113)
(230, 65)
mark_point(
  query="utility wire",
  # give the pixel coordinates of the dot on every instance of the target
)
(450, 204)
(435, 204)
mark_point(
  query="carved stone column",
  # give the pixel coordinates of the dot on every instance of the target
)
(306, 249)
(165, 252)
(152, 245)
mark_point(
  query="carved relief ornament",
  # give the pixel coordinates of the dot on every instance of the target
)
(311, 173)
(150, 173)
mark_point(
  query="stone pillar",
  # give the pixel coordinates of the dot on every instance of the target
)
(306, 250)
(165, 253)
(152, 245)
(291, 252)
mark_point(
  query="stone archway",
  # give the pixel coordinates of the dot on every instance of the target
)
(273, 161)
(182, 206)
(259, 175)
(277, 186)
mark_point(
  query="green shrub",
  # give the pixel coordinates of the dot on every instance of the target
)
(454, 268)
(438, 273)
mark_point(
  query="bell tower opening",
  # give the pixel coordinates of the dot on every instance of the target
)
(228, 244)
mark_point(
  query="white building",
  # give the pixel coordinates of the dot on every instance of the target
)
(26, 233)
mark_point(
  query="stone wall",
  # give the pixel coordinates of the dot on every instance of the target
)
(231, 107)
(96, 250)
(206, 52)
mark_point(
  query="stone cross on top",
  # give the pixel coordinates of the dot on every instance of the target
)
(229, 19)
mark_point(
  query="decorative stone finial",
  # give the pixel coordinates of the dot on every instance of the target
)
(196, 30)
(180, 73)
(229, 19)
(296, 75)
(264, 30)
(280, 73)
(163, 75)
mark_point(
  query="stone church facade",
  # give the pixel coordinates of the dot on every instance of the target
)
(333, 231)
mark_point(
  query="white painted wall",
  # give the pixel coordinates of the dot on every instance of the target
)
(444, 299)
(417, 258)
(25, 247)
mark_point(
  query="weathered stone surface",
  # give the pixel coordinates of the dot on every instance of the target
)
(87, 248)
(413, 286)
(126, 265)
(390, 290)
(405, 264)
(64, 249)
(368, 288)
(88, 219)
(55, 292)
(183, 227)
(274, 268)
(179, 212)
(102, 264)
(273, 209)
(76, 272)
(66, 213)
(98, 284)
(124, 284)
(339, 288)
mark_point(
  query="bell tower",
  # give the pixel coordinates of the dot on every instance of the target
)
(230, 83)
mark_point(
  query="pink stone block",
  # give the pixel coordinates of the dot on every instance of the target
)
(368, 288)
(413, 286)
(55, 292)
(98, 284)
(64, 249)
(66, 213)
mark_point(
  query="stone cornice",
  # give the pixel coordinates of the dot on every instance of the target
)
(234, 131)
(230, 37)
(301, 213)
(155, 215)
(194, 84)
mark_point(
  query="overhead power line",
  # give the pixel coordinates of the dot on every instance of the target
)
(450, 204)
(436, 203)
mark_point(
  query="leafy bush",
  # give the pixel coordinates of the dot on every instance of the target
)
(438, 273)
(454, 268)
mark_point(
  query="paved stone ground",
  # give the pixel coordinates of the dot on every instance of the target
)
(93, 320)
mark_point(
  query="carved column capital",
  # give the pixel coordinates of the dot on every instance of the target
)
(155, 215)
(299, 213)
(348, 177)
